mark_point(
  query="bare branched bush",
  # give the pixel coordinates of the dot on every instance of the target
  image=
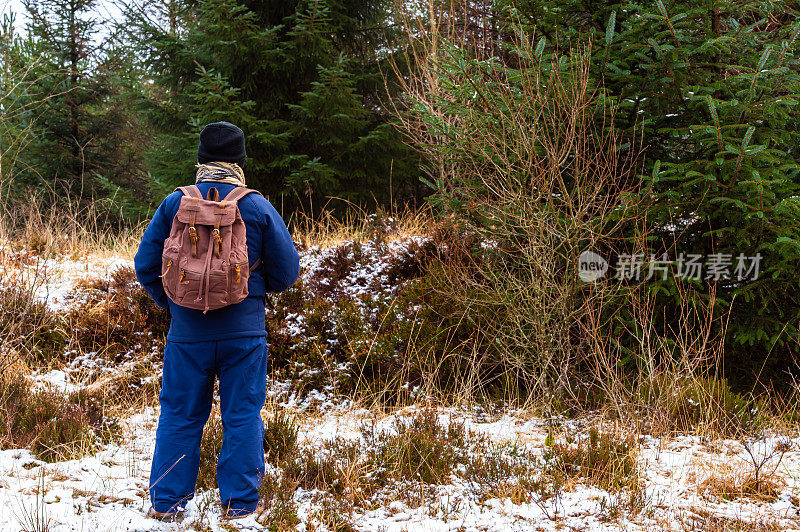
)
(520, 159)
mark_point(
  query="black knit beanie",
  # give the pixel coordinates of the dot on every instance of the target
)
(221, 141)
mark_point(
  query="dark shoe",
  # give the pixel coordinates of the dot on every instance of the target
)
(167, 517)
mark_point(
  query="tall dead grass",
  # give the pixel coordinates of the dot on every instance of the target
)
(41, 224)
(326, 229)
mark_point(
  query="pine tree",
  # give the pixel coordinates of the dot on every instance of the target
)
(81, 139)
(62, 32)
(711, 90)
(303, 80)
(20, 101)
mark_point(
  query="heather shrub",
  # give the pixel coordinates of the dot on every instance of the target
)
(115, 314)
(280, 437)
(507, 470)
(28, 326)
(420, 448)
(350, 322)
(604, 459)
(276, 494)
(116, 322)
(51, 425)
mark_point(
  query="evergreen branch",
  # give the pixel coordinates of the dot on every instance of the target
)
(668, 65)
(612, 22)
(715, 118)
(745, 142)
(788, 44)
(759, 68)
(668, 22)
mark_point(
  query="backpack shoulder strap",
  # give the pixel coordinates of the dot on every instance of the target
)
(192, 191)
(235, 195)
(238, 193)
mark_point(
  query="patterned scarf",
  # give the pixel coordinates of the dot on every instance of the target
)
(220, 172)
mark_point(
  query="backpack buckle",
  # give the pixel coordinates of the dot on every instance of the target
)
(218, 240)
(194, 238)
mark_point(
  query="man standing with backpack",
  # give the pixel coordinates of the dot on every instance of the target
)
(209, 255)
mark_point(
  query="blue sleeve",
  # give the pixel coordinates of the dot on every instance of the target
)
(281, 261)
(147, 261)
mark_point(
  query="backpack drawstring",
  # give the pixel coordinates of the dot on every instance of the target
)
(215, 244)
(205, 280)
(167, 270)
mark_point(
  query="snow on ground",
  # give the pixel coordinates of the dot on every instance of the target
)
(103, 491)
(53, 278)
(108, 490)
(62, 275)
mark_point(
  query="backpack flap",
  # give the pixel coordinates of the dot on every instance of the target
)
(203, 212)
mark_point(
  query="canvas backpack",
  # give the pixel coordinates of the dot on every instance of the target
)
(205, 265)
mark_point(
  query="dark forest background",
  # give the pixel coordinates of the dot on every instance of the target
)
(112, 108)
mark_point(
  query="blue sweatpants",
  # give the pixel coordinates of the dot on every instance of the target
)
(186, 396)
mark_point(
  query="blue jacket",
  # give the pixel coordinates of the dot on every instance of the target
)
(267, 238)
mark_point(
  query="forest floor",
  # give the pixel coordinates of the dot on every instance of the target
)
(476, 467)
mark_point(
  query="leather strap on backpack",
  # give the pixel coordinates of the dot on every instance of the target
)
(235, 195)
(192, 191)
(238, 193)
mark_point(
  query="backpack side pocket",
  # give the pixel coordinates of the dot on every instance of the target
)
(238, 274)
(169, 275)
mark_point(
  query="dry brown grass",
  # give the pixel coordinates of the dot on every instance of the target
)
(47, 227)
(327, 230)
(738, 479)
(705, 522)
